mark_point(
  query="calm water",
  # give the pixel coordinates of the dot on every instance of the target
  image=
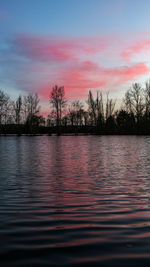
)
(75, 200)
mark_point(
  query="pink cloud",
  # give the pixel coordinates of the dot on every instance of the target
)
(56, 49)
(79, 79)
(138, 47)
(85, 76)
(79, 64)
(124, 74)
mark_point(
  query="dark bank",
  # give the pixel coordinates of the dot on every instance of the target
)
(97, 115)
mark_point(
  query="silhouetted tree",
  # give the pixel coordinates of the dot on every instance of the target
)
(92, 108)
(110, 124)
(35, 120)
(134, 101)
(125, 121)
(110, 106)
(86, 117)
(31, 106)
(18, 109)
(96, 109)
(5, 107)
(57, 99)
(147, 99)
(100, 116)
(76, 113)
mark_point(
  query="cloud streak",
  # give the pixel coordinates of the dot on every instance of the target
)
(35, 63)
(133, 50)
(47, 49)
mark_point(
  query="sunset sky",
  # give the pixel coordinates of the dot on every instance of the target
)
(81, 44)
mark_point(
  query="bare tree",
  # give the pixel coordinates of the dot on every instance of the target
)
(18, 109)
(128, 102)
(96, 108)
(110, 106)
(134, 100)
(76, 113)
(5, 107)
(31, 106)
(147, 98)
(57, 99)
(92, 108)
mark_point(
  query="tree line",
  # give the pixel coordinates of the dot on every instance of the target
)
(97, 115)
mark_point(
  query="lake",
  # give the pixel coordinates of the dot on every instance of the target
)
(75, 201)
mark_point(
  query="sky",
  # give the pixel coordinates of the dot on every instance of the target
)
(79, 44)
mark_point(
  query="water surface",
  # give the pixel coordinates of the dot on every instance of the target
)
(75, 201)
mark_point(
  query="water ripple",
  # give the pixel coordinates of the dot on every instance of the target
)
(75, 201)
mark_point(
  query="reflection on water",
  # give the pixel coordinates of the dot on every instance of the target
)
(75, 200)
